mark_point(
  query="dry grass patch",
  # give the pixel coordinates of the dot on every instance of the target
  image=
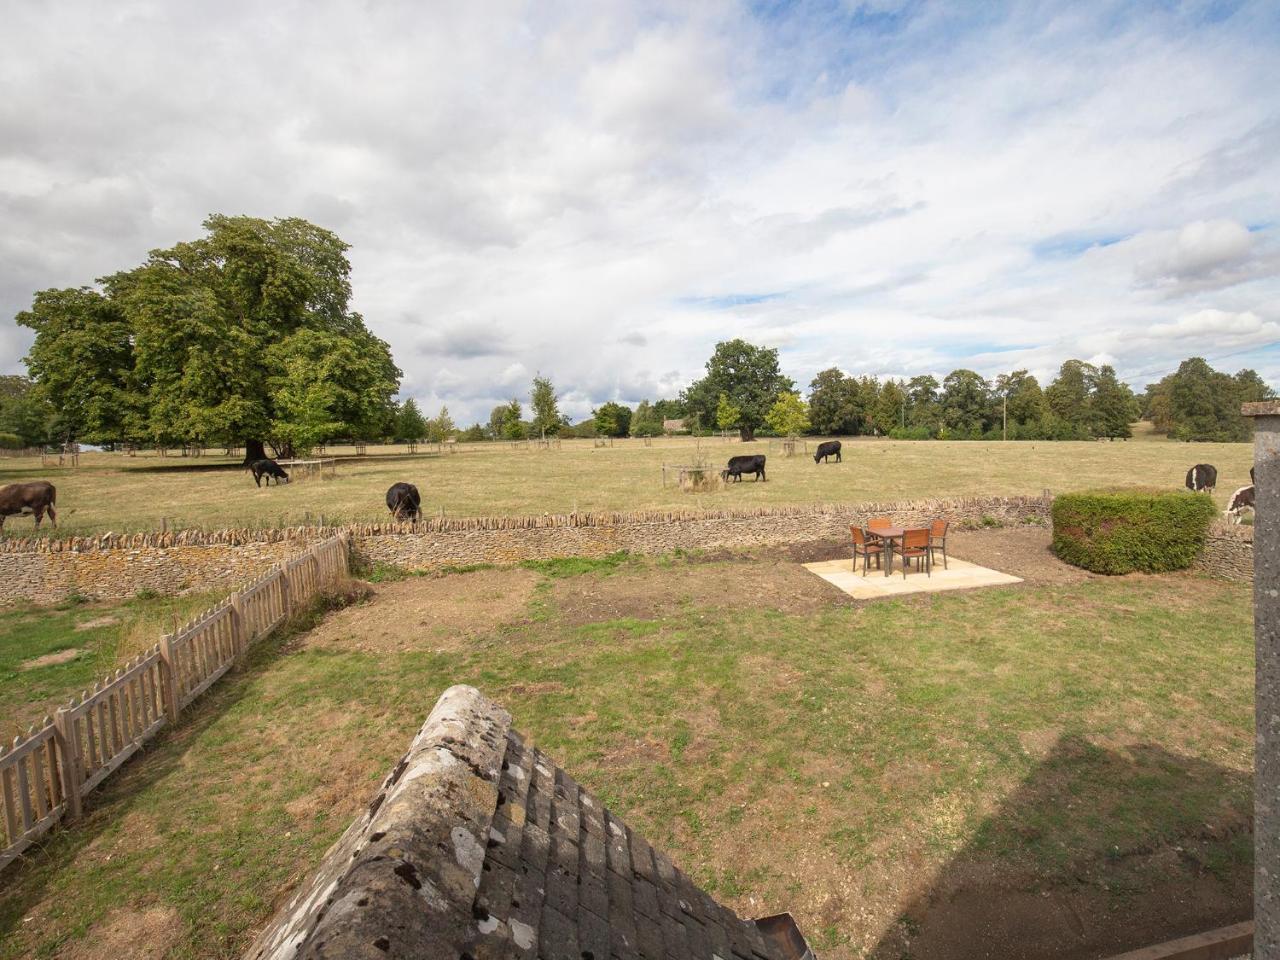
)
(429, 613)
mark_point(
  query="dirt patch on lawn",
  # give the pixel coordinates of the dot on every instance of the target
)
(1021, 551)
(757, 583)
(128, 935)
(96, 622)
(434, 613)
(51, 659)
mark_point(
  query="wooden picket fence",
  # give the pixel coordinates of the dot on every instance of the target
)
(45, 776)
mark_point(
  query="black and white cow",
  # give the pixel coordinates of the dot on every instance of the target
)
(1240, 501)
(1202, 477)
(750, 463)
(268, 469)
(403, 501)
(828, 448)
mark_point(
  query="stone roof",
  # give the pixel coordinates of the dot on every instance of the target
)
(478, 847)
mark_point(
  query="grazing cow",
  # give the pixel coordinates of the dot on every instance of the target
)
(36, 497)
(1203, 476)
(403, 501)
(268, 469)
(1240, 501)
(829, 448)
(752, 463)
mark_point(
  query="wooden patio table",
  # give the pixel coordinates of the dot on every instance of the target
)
(889, 534)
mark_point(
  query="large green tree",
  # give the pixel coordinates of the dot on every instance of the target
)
(410, 423)
(244, 334)
(82, 362)
(789, 415)
(1020, 396)
(748, 376)
(24, 413)
(612, 419)
(1113, 404)
(1200, 403)
(835, 403)
(966, 403)
(923, 406)
(547, 420)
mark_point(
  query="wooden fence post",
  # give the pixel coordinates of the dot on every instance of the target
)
(237, 624)
(68, 761)
(169, 678)
(286, 593)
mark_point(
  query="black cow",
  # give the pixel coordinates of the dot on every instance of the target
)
(1240, 501)
(752, 463)
(268, 469)
(829, 448)
(1203, 476)
(403, 501)
(36, 497)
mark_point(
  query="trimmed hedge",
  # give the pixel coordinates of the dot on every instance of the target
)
(1123, 531)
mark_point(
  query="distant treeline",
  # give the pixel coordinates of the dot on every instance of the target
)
(744, 390)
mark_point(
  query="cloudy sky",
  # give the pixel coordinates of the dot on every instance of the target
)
(602, 190)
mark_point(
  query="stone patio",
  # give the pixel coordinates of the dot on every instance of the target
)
(959, 575)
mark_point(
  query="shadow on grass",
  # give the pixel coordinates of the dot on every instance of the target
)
(29, 882)
(1098, 852)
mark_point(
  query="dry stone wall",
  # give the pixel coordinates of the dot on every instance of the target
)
(116, 566)
(1228, 553)
(440, 543)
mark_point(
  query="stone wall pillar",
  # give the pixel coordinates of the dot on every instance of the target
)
(1266, 619)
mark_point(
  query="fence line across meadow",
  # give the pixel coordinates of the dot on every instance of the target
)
(45, 775)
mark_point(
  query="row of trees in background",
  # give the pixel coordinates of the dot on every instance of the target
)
(745, 390)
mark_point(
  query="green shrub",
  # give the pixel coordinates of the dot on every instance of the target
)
(10, 441)
(1123, 531)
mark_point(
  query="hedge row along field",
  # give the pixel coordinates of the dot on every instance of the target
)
(1127, 531)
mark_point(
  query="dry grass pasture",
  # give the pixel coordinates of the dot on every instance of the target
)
(111, 491)
(1059, 768)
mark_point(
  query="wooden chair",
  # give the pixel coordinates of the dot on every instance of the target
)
(865, 549)
(915, 546)
(938, 539)
(880, 522)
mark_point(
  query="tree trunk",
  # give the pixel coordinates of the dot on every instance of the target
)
(254, 451)
(747, 434)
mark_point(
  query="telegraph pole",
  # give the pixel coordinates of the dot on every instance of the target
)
(1004, 404)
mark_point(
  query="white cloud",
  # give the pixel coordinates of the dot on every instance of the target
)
(602, 192)
(1218, 324)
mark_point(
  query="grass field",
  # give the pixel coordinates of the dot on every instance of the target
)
(119, 493)
(48, 654)
(889, 771)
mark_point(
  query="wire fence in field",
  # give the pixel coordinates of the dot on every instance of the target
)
(45, 775)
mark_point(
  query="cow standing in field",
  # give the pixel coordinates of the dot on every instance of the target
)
(1202, 477)
(1241, 500)
(751, 463)
(404, 502)
(829, 448)
(268, 469)
(36, 498)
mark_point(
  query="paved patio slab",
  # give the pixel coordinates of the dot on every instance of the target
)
(959, 575)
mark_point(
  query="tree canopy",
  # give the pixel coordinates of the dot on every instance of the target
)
(747, 376)
(612, 419)
(242, 335)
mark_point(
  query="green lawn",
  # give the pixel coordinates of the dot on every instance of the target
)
(1090, 740)
(93, 640)
(120, 493)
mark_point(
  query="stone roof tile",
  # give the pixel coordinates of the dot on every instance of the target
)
(479, 846)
